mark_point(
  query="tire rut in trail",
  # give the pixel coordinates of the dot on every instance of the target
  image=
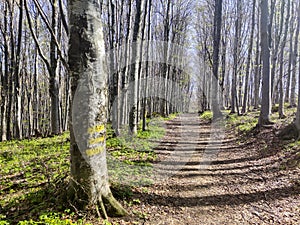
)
(235, 187)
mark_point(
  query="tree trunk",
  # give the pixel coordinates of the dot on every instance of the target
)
(17, 87)
(89, 184)
(215, 78)
(4, 80)
(281, 91)
(265, 112)
(257, 76)
(234, 97)
(291, 56)
(148, 34)
(249, 59)
(272, 44)
(53, 85)
(295, 60)
(134, 71)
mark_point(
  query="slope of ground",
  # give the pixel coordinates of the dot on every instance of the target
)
(207, 175)
(202, 173)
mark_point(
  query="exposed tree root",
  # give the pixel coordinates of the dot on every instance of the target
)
(264, 123)
(115, 208)
(105, 205)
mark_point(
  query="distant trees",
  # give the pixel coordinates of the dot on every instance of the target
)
(147, 70)
(34, 79)
(145, 60)
(33, 97)
(259, 55)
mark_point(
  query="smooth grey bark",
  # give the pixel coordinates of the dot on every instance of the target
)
(4, 80)
(295, 60)
(10, 69)
(249, 59)
(166, 52)
(265, 111)
(126, 70)
(133, 93)
(257, 75)
(281, 91)
(53, 84)
(292, 131)
(35, 102)
(237, 43)
(223, 66)
(17, 86)
(275, 52)
(89, 178)
(216, 49)
(148, 38)
(297, 121)
(291, 56)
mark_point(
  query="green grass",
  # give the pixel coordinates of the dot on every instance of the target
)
(244, 123)
(207, 115)
(34, 174)
(30, 172)
(129, 149)
(130, 158)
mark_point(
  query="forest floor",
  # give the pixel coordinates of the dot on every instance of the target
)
(201, 172)
(208, 174)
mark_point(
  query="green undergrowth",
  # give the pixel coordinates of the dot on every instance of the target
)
(247, 122)
(34, 174)
(244, 124)
(31, 173)
(130, 157)
(207, 115)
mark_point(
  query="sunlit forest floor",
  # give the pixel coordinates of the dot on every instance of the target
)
(200, 172)
(246, 178)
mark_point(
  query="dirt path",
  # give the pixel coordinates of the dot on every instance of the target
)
(207, 176)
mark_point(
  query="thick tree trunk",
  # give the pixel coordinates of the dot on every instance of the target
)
(215, 77)
(265, 112)
(89, 183)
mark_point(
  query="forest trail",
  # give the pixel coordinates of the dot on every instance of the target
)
(217, 179)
